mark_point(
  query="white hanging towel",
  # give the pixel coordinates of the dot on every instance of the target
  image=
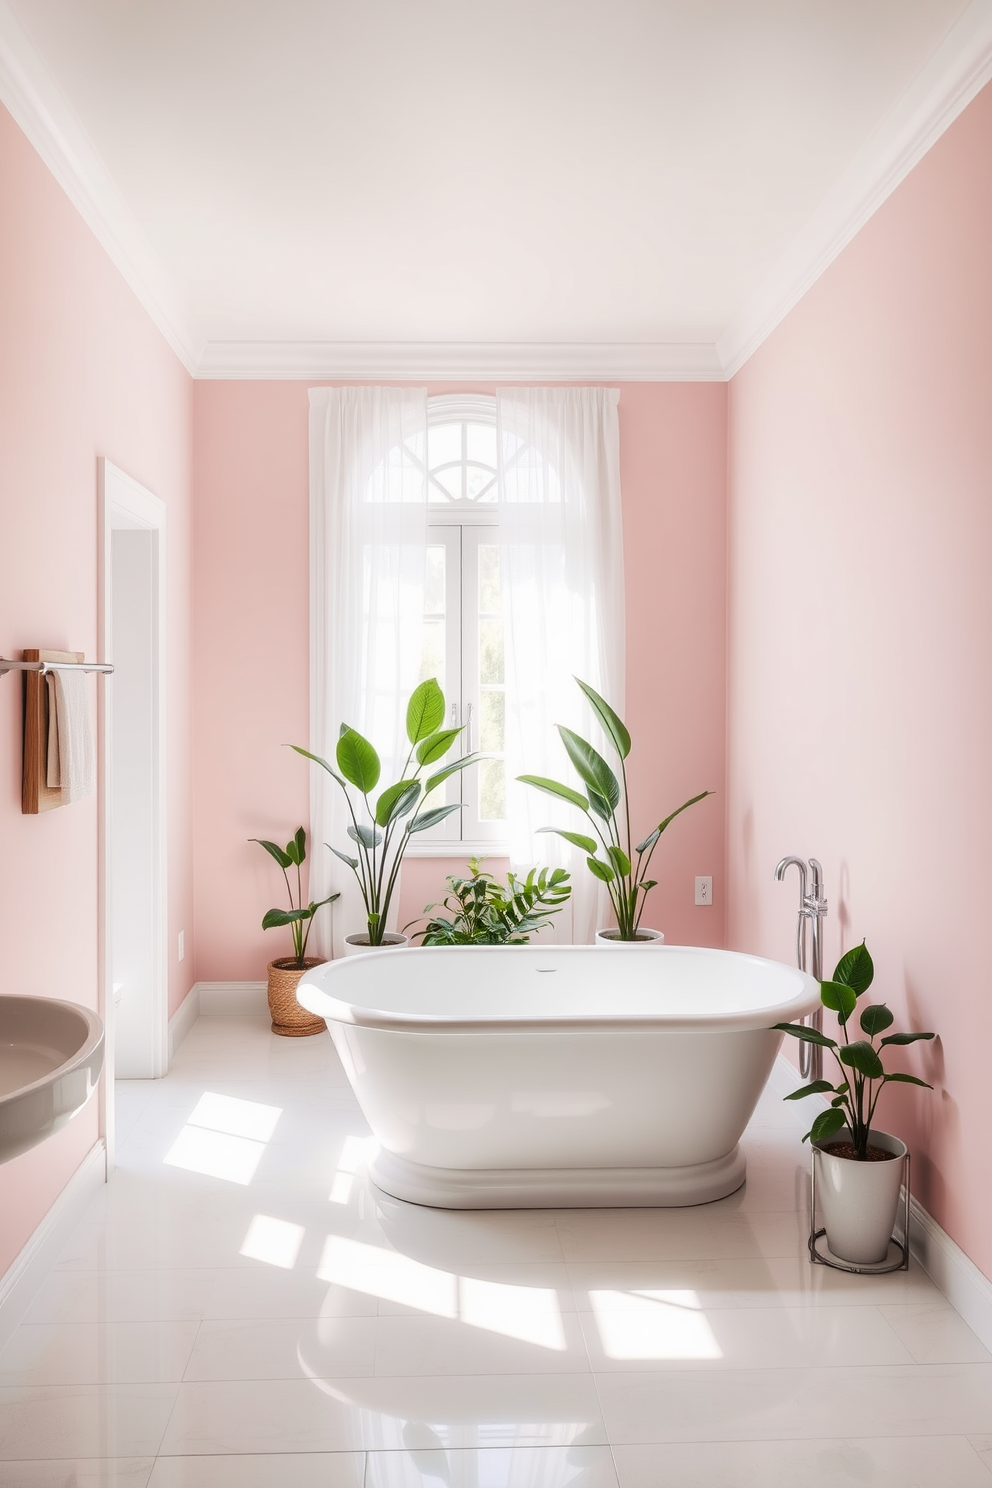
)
(71, 756)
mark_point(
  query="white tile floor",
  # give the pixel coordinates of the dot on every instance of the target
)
(241, 1310)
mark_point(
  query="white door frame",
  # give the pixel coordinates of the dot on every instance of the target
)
(126, 505)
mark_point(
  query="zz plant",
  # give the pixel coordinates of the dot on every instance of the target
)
(607, 808)
(484, 912)
(392, 818)
(860, 1059)
(299, 916)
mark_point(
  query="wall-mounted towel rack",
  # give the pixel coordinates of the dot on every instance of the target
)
(53, 666)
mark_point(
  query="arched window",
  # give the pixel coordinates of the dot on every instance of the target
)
(463, 613)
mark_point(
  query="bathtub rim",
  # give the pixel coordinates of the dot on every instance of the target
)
(316, 999)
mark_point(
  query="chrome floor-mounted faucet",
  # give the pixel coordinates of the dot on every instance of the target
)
(812, 912)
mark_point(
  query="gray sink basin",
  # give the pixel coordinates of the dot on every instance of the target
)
(51, 1055)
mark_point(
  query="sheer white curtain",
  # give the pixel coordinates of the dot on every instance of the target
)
(368, 545)
(563, 605)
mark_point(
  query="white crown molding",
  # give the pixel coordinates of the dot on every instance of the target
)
(462, 362)
(944, 87)
(34, 101)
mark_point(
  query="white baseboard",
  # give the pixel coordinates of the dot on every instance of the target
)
(231, 998)
(27, 1272)
(968, 1290)
(183, 1019)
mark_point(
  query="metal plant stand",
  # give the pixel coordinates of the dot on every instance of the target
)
(818, 1237)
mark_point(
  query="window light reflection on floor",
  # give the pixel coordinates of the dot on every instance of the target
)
(354, 1151)
(653, 1325)
(224, 1137)
(530, 1314)
(275, 1241)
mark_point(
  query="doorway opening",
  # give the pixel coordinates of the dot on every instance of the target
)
(135, 961)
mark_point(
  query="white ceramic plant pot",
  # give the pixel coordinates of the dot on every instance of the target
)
(644, 938)
(858, 1200)
(358, 945)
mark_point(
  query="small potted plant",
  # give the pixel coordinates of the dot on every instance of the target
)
(858, 1167)
(484, 912)
(288, 1018)
(392, 819)
(607, 808)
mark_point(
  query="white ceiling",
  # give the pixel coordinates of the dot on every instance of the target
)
(654, 175)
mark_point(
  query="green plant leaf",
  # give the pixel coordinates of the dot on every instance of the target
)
(587, 844)
(274, 851)
(599, 805)
(352, 862)
(855, 969)
(428, 819)
(840, 998)
(649, 840)
(647, 883)
(679, 810)
(619, 859)
(275, 917)
(905, 1038)
(319, 761)
(814, 1089)
(433, 781)
(358, 761)
(552, 788)
(861, 1056)
(329, 900)
(807, 1035)
(601, 870)
(876, 1019)
(827, 1124)
(425, 711)
(613, 727)
(396, 800)
(367, 836)
(436, 745)
(902, 1079)
(591, 767)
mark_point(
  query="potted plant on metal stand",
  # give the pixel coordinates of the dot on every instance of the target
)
(607, 808)
(857, 1168)
(288, 1018)
(382, 839)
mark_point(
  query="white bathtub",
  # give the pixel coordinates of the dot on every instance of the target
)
(572, 1076)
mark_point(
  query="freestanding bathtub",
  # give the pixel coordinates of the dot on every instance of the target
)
(573, 1076)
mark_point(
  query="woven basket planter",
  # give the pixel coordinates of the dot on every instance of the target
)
(288, 1018)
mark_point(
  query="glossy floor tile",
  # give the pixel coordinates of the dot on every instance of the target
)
(240, 1308)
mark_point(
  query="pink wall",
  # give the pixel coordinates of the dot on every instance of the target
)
(860, 615)
(251, 639)
(82, 374)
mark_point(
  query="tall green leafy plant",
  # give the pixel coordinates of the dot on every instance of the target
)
(622, 867)
(299, 916)
(391, 819)
(860, 1059)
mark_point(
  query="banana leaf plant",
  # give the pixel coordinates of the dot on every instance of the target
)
(607, 806)
(860, 1060)
(299, 916)
(392, 818)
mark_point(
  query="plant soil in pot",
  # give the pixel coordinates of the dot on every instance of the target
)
(288, 1018)
(358, 945)
(644, 937)
(859, 1198)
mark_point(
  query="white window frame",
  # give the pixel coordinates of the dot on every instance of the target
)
(459, 526)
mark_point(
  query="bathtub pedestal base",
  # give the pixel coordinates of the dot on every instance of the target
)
(558, 1188)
